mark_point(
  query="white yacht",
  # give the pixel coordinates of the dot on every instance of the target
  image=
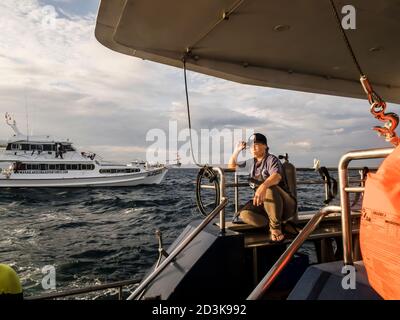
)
(44, 161)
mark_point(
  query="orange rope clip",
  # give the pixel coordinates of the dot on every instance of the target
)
(378, 107)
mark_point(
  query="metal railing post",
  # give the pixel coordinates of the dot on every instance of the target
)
(326, 188)
(345, 204)
(236, 192)
(344, 196)
(222, 190)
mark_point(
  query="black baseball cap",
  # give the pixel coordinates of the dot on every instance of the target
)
(257, 138)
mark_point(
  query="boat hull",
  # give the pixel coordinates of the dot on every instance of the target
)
(129, 180)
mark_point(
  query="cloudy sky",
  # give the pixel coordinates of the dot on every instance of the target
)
(54, 70)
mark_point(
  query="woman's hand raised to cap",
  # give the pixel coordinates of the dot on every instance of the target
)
(240, 146)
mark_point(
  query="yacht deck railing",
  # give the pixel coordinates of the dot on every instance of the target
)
(73, 292)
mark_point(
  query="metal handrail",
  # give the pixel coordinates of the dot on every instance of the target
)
(74, 292)
(279, 265)
(223, 185)
(344, 193)
(178, 249)
(277, 268)
(354, 189)
(236, 185)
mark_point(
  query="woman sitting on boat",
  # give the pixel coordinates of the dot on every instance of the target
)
(272, 202)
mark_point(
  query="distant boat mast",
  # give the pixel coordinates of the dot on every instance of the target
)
(27, 119)
(178, 163)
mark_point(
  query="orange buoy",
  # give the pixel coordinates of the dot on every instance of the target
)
(380, 227)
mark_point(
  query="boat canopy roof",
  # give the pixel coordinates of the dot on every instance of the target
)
(289, 44)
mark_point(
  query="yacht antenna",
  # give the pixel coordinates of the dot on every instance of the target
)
(26, 115)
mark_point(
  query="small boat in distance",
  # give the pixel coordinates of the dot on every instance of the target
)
(178, 160)
(44, 161)
(175, 163)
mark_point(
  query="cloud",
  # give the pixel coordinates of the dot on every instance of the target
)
(74, 87)
(299, 144)
(339, 130)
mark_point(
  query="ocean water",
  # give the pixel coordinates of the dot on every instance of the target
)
(93, 236)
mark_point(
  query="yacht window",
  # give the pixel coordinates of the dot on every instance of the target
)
(47, 147)
(43, 166)
(52, 167)
(74, 167)
(83, 167)
(68, 147)
(14, 146)
(8, 146)
(21, 166)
